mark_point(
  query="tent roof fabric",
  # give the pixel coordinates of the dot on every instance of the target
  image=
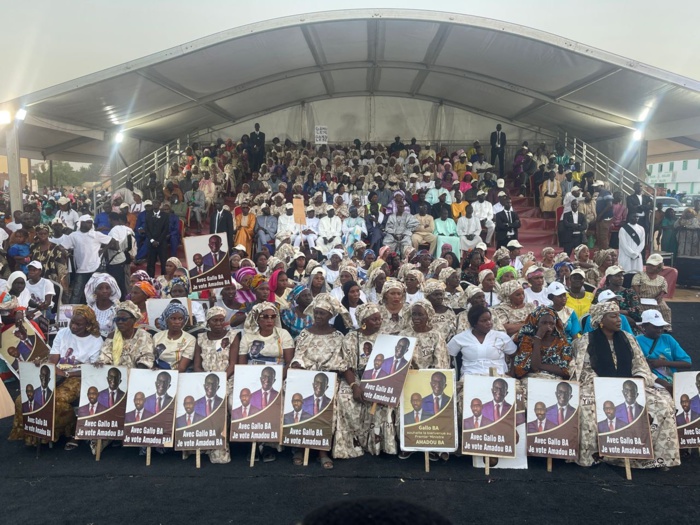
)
(511, 73)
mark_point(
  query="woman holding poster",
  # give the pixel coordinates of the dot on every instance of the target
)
(395, 312)
(79, 343)
(357, 431)
(431, 348)
(319, 347)
(607, 351)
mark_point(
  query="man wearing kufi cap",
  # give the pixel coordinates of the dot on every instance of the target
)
(307, 232)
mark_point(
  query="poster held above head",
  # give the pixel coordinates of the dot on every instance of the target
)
(256, 408)
(429, 419)
(150, 408)
(37, 387)
(388, 364)
(320, 135)
(207, 261)
(621, 415)
(309, 402)
(200, 417)
(102, 402)
(686, 397)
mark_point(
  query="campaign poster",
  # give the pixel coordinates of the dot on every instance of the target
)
(429, 411)
(19, 343)
(387, 366)
(207, 261)
(38, 384)
(200, 417)
(156, 307)
(65, 314)
(308, 409)
(489, 416)
(552, 418)
(150, 408)
(256, 405)
(686, 396)
(621, 415)
(102, 402)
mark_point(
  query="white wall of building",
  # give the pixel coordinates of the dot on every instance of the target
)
(680, 175)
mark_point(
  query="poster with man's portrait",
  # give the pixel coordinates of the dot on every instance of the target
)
(308, 409)
(207, 261)
(200, 416)
(621, 416)
(19, 343)
(102, 402)
(552, 418)
(429, 411)
(387, 366)
(37, 387)
(686, 397)
(489, 416)
(150, 408)
(156, 307)
(256, 404)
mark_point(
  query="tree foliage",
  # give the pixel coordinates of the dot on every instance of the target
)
(65, 175)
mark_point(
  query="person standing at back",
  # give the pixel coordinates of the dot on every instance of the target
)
(498, 148)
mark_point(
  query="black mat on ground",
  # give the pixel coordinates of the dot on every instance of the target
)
(70, 487)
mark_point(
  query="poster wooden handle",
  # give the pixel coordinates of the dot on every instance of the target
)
(427, 461)
(252, 454)
(487, 465)
(306, 457)
(628, 469)
(98, 450)
(184, 455)
(549, 464)
(148, 456)
(373, 409)
(199, 458)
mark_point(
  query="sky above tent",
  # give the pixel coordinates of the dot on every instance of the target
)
(52, 42)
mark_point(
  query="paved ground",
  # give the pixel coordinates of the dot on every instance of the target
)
(70, 487)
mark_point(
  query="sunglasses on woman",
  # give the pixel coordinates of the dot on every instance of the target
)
(268, 317)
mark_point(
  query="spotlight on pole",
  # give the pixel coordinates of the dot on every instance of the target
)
(21, 114)
(119, 137)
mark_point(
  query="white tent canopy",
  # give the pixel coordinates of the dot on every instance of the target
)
(488, 70)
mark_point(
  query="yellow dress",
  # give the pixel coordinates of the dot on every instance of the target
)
(580, 306)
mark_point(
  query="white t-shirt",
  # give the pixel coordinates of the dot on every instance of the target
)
(13, 226)
(86, 249)
(40, 290)
(537, 298)
(70, 217)
(270, 347)
(3, 236)
(478, 357)
(121, 234)
(73, 349)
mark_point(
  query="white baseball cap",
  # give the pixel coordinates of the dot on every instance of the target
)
(501, 183)
(655, 259)
(556, 288)
(614, 270)
(482, 246)
(480, 192)
(654, 317)
(501, 194)
(580, 272)
(514, 244)
(607, 295)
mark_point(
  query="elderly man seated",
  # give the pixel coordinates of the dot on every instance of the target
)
(307, 232)
(330, 230)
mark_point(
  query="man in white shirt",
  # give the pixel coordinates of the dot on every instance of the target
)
(308, 232)
(330, 231)
(469, 231)
(117, 263)
(514, 248)
(41, 289)
(632, 242)
(15, 224)
(573, 195)
(86, 244)
(483, 210)
(536, 293)
(498, 207)
(68, 215)
(286, 225)
(481, 166)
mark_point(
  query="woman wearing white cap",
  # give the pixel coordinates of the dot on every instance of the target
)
(652, 287)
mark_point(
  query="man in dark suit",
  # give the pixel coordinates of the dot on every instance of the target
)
(190, 417)
(257, 143)
(246, 409)
(562, 411)
(138, 413)
(630, 410)
(541, 422)
(215, 255)
(417, 414)
(297, 415)
(610, 423)
(477, 420)
(642, 205)
(498, 407)
(436, 401)
(161, 399)
(695, 400)
(507, 224)
(687, 415)
(93, 406)
(111, 395)
(319, 400)
(376, 372)
(43, 393)
(156, 233)
(397, 362)
(198, 268)
(221, 221)
(29, 405)
(207, 405)
(498, 148)
(262, 397)
(573, 226)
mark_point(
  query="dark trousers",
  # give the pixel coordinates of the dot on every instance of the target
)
(118, 271)
(77, 295)
(500, 154)
(154, 253)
